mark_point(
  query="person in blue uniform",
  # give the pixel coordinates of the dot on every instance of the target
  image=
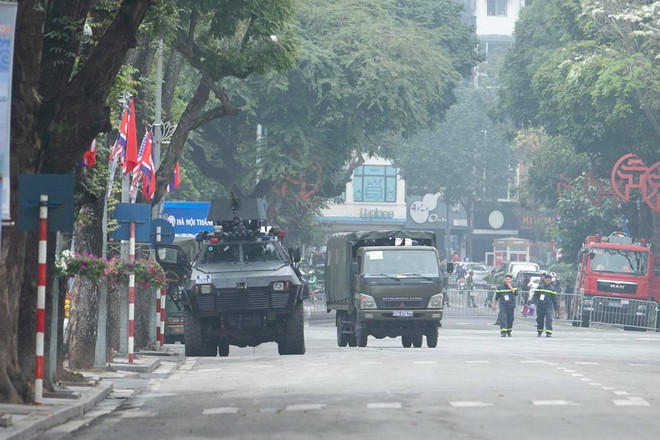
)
(506, 295)
(546, 299)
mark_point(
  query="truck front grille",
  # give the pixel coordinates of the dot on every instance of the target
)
(229, 300)
(401, 303)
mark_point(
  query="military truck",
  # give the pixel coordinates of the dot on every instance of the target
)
(384, 284)
(243, 287)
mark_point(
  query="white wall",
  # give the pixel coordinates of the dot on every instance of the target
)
(489, 25)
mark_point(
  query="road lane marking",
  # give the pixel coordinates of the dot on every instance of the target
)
(370, 363)
(595, 383)
(305, 407)
(621, 393)
(639, 365)
(554, 403)
(384, 405)
(608, 388)
(586, 363)
(425, 362)
(478, 362)
(469, 404)
(576, 375)
(631, 402)
(220, 410)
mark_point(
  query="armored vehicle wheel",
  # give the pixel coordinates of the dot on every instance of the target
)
(432, 338)
(342, 338)
(406, 341)
(293, 341)
(223, 348)
(361, 336)
(417, 339)
(210, 349)
(193, 334)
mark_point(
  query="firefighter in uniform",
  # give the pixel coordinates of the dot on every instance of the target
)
(546, 299)
(506, 294)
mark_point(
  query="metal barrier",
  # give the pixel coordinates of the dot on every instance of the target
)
(631, 314)
(626, 313)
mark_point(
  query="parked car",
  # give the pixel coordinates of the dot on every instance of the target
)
(480, 274)
(522, 281)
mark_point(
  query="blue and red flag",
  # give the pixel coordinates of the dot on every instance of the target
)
(120, 144)
(176, 179)
(137, 172)
(148, 169)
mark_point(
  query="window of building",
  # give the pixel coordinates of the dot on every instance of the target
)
(374, 183)
(496, 8)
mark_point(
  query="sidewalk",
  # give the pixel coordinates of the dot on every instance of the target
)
(24, 422)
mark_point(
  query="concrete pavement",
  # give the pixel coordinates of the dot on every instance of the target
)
(23, 422)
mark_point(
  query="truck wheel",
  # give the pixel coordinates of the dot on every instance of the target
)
(193, 334)
(406, 341)
(342, 338)
(293, 341)
(352, 341)
(361, 336)
(417, 339)
(223, 348)
(432, 338)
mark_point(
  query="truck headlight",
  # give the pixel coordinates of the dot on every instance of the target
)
(204, 289)
(367, 301)
(280, 286)
(436, 301)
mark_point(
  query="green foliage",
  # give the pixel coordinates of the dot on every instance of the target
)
(467, 156)
(566, 273)
(579, 217)
(593, 79)
(547, 160)
(365, 74)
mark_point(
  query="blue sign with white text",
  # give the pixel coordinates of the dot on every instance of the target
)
(187, 218)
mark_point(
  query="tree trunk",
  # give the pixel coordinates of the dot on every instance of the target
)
(83, 320)
(84, 313)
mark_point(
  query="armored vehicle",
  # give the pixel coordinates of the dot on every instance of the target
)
(243, 288)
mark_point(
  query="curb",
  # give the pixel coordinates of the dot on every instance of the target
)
(89, 398)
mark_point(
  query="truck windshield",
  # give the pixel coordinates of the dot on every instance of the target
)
(618, 261)
(391, 262)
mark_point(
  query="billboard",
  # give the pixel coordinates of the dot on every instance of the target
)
(187, 218)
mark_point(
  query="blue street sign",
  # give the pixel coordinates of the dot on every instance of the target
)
(140, 213)
(166, 231)
(58, 188)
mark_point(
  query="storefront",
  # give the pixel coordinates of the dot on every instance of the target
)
(374, 199)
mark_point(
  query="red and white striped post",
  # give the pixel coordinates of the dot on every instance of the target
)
(41, 300)
(131, 293)
(158, 293)
(163, 296)
(159, 304)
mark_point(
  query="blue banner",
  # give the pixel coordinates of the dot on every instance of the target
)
(188, 218)
(7, 29)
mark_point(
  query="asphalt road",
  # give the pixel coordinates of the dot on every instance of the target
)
(581, 384)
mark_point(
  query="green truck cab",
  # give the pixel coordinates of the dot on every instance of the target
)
(384, 284)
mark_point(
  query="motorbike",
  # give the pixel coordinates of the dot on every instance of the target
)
(460, 283)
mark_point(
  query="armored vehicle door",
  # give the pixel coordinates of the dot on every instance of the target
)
(174, 260)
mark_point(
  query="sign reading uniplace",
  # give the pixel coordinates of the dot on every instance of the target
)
(187, 218)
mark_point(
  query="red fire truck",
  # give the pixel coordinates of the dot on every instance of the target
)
(618, 282)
